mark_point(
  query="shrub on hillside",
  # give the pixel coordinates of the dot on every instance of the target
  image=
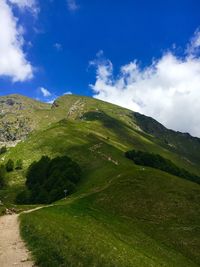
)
(10, 165)
(158, 162)
(2, 176)
(23, 197)
(48, 178)
(3, 150)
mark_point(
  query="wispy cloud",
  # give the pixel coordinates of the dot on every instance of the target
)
(48, 96)
(194, 45)
(72, 5)
(51, 100)
(68, 93)
(58, 46)
(30, 5)
(168, 89)
(45, 92)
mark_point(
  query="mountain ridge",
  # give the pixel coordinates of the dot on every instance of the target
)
(74, 107)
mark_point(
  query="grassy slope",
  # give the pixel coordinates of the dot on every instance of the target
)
(121, 215)
(133, 221)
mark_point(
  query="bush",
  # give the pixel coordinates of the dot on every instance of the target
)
(158, 162)
(47, 179)
(23, 197)
(10, 165)
(2, 176)
(3, 150)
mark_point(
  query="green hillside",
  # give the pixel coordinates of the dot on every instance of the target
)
(121, 214)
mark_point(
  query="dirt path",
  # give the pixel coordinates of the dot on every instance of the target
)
(12, 249)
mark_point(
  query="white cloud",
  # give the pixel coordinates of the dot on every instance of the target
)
(57, 46)
(68, 93)
(194, 46)
(72, 5)
(51, 101)
(30, 5)
(168, 89)
(47, 96)
(45, 92)
(13, 61)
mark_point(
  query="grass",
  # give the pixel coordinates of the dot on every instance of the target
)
(2, 210)
(135, 219)
(83, 234)
(121, 214)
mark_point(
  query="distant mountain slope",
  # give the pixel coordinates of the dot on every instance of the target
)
(18, 116)
(15, 102)
(182, 143)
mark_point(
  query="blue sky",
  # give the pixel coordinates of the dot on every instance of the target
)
(63, 46)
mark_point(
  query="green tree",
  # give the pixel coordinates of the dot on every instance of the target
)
(48, 178)
(3, 149)
(23, 197)
(10, 165)
(2, 176)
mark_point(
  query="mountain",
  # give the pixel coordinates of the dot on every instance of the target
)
(19, 115)
(121, 214)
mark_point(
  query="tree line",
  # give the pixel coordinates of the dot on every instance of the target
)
(158, 162)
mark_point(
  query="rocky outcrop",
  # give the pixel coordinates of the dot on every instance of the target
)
(17, 117)
(14, 130)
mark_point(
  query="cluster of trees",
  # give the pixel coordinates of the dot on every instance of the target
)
(9, 167)
(158, 162)
(48, 179)
(3, 150)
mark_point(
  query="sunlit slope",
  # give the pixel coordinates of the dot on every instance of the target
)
(94, 133)
(74, 121)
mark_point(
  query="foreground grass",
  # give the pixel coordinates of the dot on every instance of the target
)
(78, 236)
(149, 225)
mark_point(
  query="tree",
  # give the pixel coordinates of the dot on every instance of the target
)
(37, 172)
(48, 178)
(3, 149)
(2, 176)
(10, 165)
(23, 197)
(19, 164)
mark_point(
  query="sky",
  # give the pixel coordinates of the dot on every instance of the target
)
(143, 55)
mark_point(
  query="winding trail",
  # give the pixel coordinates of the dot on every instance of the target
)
(13, 251)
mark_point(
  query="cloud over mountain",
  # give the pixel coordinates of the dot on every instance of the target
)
(168, 89)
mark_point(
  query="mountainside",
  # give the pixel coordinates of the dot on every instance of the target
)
(19, 115)
(121, 214)
(182, 143)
